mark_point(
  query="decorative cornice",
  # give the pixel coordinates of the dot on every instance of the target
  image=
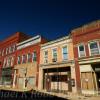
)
(55, 41)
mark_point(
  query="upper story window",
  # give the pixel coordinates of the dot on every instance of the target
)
(14, 48)
(24, 59)
(7, 51)
(65, 53)
(94, 48)
(3, 52)
(29, 57)
(54, 55)
(9, 62)
(19, 60)
(45, 56)
(12, 61)
(34, 57)
(4, 62)
(81, 50)
(0, 52)
(10, 49)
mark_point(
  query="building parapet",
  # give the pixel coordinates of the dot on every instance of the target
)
(87, 27)
(29, 42)
(55, 41)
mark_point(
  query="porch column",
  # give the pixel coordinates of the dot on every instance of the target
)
(40, 86)
(14, 79)
(73, 76)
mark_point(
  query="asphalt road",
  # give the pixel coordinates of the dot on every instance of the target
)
(30, 95)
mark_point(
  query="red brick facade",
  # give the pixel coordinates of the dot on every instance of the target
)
(8, 49)
(30, 50)
(85, 34)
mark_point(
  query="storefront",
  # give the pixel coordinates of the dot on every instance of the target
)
(90, 77)
(25, 76)
(59, 77)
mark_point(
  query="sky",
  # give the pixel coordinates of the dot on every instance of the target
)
(49, 18)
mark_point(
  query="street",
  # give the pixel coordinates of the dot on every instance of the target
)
(32, 95)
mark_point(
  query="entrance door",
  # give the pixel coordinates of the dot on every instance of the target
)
(98, 80)
(48, 82)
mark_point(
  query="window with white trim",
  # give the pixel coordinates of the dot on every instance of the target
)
(5, 62)
(54, 55)
(45, 56)
(24, 59)
(81, 50)
(12, 61)
(94, 48)
(34, 57)
(14, 47)
(29, 57)
(9, 62)
(3, 52)
(19, 60)
(7, 51)
(65, 53)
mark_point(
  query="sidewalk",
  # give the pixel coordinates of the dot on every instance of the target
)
(84, 98)
(71, 96)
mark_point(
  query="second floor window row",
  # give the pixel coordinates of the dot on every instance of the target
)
(7, 50)
(27, 58)
(55, 54)
(93, 47)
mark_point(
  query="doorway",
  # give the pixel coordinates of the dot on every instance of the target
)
(98, 80)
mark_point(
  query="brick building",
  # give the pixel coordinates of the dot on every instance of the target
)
(57, 69)
(86, 41)
(27, 63)
(7, 57)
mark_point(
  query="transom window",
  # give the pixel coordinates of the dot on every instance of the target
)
(81, 50)
(94, 48)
